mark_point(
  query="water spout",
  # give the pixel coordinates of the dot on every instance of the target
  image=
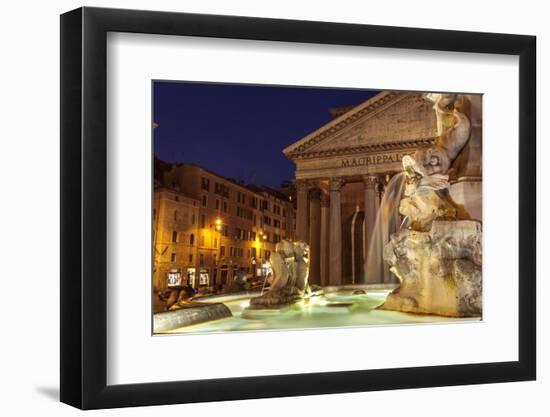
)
(387, 222)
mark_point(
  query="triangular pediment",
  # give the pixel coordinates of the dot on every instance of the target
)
(388, 120)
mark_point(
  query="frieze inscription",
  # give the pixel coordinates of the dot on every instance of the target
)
(381, 159)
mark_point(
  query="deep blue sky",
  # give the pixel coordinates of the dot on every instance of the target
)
(239, 131)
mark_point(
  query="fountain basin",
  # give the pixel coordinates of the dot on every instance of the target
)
(338, 308)
(188, 316)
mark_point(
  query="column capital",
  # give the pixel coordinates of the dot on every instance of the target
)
(370, 181)
(302, 185)
(334, 184)
(315, 193)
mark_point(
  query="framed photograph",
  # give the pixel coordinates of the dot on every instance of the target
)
(256, 208)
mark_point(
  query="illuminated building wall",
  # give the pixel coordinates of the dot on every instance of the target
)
(235, 227)
(175, 234)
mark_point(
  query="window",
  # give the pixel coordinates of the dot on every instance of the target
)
(224, 206)
(202, 240)
(215, 242)
(193, 218)
(217, 203)
(276, 223)
(221, 189)
(192, 239)
(253, 253)
(154, 213)
(175, 215)
(284, 212)
(205, 184)
(201, 259)
(190, 258)
(203, 221)
(173, 257)
(204, 200)
(222, 250)
(174, 236)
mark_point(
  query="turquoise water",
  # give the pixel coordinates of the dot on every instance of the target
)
(340, 308)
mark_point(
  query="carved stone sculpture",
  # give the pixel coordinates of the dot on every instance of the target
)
(439, 270)
(438, 257)
(290, 268)
(454, 130)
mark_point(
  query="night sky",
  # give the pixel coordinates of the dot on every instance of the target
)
(239, 131)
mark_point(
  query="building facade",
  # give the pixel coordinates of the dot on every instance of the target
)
(226, 229)
(175, 233)
(344, 167)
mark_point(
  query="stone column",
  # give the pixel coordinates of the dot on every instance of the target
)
(335, 268)
(302, 207)
(324, 238)
(372, 236)
(314, 236)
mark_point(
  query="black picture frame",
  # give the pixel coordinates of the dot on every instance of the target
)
(84, 207)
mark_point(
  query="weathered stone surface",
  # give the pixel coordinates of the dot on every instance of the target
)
(467, 195)
(425, 205)
(439, 269)
(276, 298)
(290, 276)
(198, 313)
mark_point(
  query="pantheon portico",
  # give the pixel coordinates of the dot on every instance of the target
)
(342, 169)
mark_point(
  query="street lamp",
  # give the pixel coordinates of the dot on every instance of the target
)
(217, 226)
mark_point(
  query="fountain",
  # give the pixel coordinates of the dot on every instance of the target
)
(289, 285)
(435, 252)
(384, 224)
(438, 257)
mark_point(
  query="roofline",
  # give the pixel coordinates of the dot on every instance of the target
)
(246, 187)
(343, 120)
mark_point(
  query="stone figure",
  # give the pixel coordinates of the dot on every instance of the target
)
(290, 268)
(438, 257)
(281, 262)
(454, 130)
(301, 266)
